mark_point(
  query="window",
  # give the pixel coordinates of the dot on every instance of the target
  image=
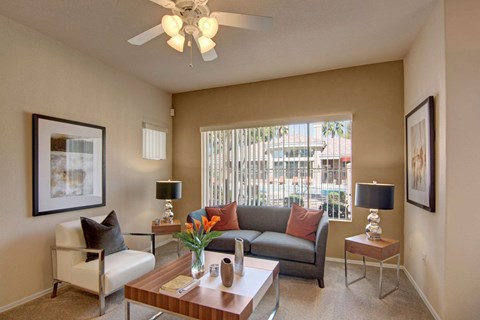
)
(308, 164)
(154, 142)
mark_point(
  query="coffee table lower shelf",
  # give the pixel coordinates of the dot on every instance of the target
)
(210, 300)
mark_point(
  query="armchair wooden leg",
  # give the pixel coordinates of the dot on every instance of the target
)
(321, 284)
(54, 291)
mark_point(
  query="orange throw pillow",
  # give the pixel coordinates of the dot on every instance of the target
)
(303, 223)
(228, 217)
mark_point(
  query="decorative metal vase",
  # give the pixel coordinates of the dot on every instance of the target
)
(226, 271)
(239, 268)
(198, 263)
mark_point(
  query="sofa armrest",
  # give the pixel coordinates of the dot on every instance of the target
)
(321, 242)
(197, 215)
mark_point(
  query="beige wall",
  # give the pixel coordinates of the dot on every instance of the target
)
(444, 61)
(424, 231)
(373, 93)
(463, 175)
(40, 75)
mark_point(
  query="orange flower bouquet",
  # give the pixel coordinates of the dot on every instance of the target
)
(196, 238)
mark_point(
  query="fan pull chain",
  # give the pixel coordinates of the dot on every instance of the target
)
(191, 52)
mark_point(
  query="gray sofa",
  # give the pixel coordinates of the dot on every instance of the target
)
(263, 232)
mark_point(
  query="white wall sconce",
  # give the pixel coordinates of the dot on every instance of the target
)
(154, 142)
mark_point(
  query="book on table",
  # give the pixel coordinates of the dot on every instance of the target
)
(179, 285)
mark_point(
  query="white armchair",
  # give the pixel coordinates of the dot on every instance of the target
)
(102, 276)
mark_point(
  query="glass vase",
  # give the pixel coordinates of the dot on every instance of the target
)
(198, 263)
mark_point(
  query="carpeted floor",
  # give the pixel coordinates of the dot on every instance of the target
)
(299, 299)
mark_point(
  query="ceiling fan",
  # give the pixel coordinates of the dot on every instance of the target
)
(193, 19)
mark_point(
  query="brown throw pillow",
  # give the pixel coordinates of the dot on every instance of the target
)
(105, 235)
(228, 216)
(303, 223)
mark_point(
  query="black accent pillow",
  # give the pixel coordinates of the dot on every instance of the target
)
(105, 235)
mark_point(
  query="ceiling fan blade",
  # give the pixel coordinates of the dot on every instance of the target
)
(165, 3)
(244, 21)
(210, 55)
(146, 36)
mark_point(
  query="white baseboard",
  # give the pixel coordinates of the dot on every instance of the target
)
(422, 295)
(28, 299)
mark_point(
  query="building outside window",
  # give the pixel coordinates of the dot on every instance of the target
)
(307, 163)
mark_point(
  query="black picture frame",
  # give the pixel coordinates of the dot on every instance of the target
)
(69, 165)
(420, 155)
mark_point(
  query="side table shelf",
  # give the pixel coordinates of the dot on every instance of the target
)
(164, 228)
(380, 250)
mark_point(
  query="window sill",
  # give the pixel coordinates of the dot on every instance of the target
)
(339, 220)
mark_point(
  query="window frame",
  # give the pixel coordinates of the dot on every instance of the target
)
(342, 169)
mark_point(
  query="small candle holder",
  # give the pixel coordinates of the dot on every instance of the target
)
(214, 270)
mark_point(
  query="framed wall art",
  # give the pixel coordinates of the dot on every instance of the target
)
(420, 155)
(68, 165)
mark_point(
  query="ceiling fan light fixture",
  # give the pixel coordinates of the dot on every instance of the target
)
(177, 42)
(172, 25)
(208, 26)
(205, 44)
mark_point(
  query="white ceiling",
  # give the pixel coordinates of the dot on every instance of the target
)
(307, 36)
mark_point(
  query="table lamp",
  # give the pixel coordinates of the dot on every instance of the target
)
(168, 191)
(374, 196)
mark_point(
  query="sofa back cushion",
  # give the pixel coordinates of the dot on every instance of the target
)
(228, 217)
(303, 223)
(263, 218)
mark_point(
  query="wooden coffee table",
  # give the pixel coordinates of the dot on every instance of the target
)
(210, 300)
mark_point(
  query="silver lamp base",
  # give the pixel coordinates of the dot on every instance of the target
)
(373, 229)
(168, 214)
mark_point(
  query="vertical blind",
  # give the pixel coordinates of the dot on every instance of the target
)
(308, 164)
(154, 142)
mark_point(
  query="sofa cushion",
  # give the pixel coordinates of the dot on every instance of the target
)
(283, 246)
(263, 218)
(105, 235)
(226, 242)
(303, 223)
(228, 217)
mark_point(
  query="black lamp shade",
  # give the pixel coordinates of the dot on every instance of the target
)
(374, 195)
(169, 190)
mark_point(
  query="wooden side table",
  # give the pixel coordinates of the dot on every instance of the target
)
(380, 250)
(164, 228)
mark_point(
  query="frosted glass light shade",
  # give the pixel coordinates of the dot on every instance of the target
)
(206, 44)
(172, 25)
(177, 42)
(154, 144)
(208, 26)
